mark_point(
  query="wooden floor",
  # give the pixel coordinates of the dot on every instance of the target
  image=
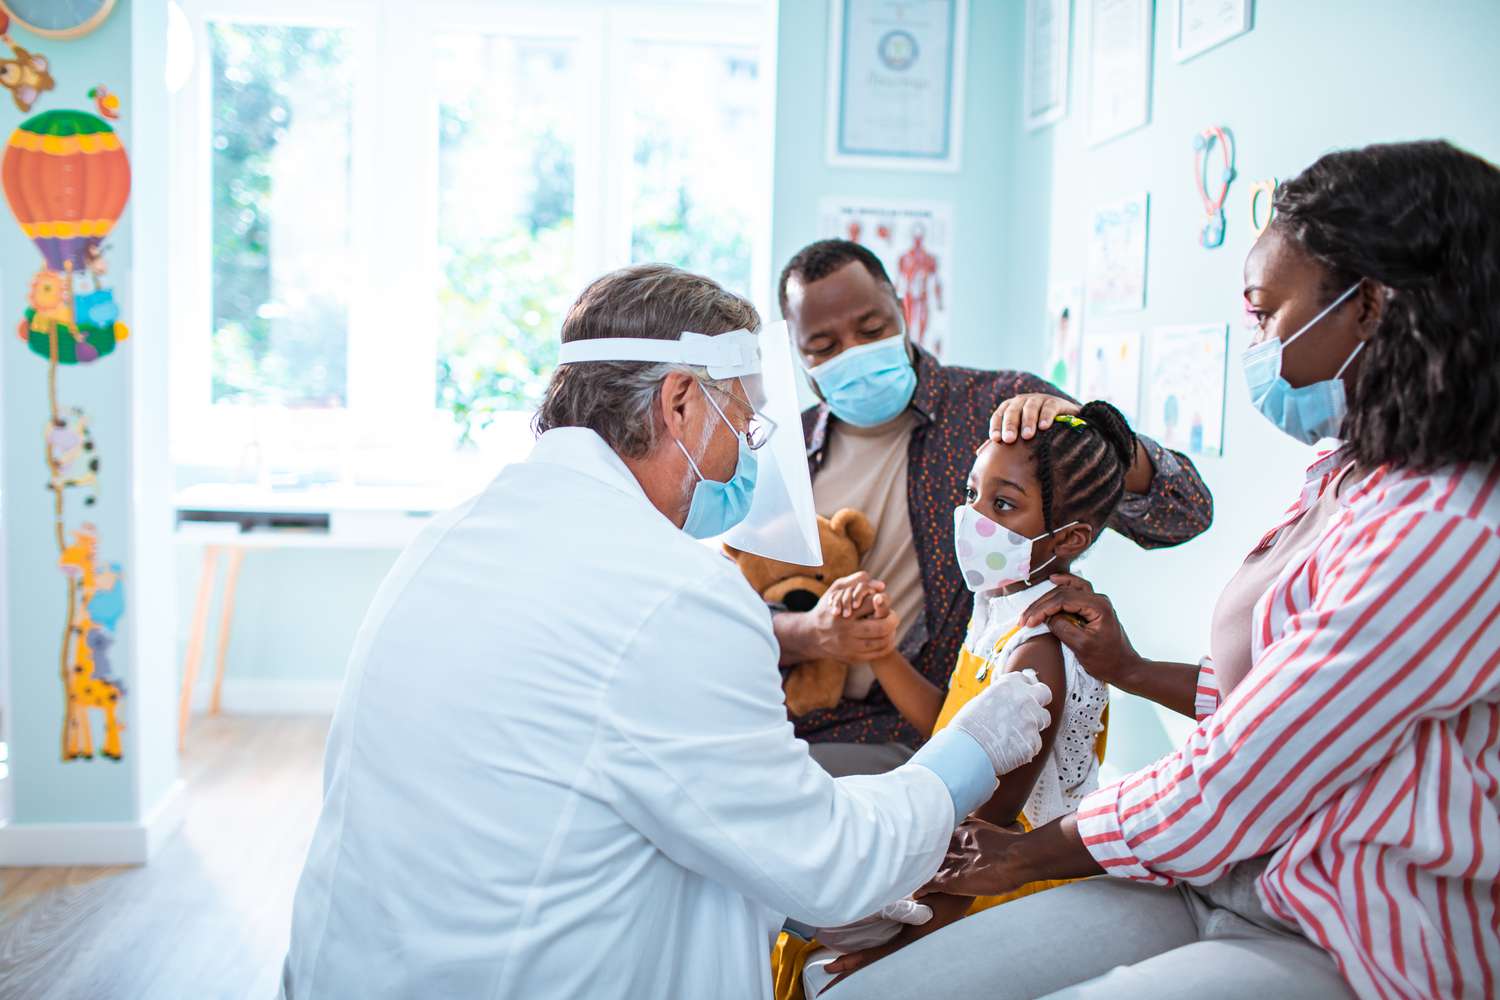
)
(209, 917)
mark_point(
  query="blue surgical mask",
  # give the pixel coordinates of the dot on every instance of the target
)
(1310, 413)
(716, 507)
(868, 385)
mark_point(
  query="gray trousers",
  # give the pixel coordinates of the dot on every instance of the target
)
(1108, 938)
(843, 759)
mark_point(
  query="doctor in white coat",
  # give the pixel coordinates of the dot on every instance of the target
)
(561, 765)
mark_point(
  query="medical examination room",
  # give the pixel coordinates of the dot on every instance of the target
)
(750, 500)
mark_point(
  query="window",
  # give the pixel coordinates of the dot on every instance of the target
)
(282, 99)
(690, 169)
(508, 126)
(385, 210)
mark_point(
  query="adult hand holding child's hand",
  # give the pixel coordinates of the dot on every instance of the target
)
(852, 622)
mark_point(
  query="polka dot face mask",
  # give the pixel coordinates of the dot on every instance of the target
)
(992, 556)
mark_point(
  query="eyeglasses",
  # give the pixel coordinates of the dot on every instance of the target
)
(760, 427)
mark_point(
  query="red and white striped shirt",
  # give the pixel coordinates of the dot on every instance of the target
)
(1362, 748)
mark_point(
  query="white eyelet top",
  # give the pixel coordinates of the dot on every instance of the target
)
(1072, 768)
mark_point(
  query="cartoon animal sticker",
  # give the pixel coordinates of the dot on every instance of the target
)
(67, 179)
(89, 684)
(106, 103)
(25, 74)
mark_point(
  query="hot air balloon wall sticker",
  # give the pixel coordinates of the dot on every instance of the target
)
(67, 178)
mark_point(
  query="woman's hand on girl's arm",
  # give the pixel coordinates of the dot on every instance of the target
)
(987, 860)
(1086, 623)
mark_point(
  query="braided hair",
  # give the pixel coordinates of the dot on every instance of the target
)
(1081, 464)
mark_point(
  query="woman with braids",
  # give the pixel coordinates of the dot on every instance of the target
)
(1032, 506)
(1332, 825)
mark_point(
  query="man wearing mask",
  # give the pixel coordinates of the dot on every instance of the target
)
(894, 437)
(561, 766)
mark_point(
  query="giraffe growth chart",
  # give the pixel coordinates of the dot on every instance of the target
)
(67, 178)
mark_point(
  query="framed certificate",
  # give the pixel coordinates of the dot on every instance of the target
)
(1048, 24)
(1119, 67)
(896, 83)
(1199, 25)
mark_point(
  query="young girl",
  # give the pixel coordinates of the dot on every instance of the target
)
(1032, 508)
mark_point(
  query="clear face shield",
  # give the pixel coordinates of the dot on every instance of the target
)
(781, 524)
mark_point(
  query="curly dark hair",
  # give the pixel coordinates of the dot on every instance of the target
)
(1423, 220)
(818, 260)
(1081, 466)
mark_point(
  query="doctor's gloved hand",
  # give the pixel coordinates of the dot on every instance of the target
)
(1007, 719)
(876, 929)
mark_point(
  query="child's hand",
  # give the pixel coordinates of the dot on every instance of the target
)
(849, 596)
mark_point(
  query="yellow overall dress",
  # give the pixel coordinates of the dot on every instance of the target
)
(971, 675)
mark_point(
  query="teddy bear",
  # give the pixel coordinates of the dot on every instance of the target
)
(845, 537)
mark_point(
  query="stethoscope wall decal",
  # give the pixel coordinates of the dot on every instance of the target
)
(1212, 233)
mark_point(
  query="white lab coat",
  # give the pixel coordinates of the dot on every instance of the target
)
(561, 767)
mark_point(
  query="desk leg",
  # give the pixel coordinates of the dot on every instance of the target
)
(195, 641)
(226, 618)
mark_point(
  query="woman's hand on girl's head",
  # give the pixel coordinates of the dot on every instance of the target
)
(1086, 623)
(1022, 416)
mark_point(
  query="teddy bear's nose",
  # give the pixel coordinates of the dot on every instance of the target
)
(800, 600)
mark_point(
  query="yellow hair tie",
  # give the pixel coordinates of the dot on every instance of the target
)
(1070, 420)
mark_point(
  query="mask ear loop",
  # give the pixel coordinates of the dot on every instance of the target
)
(682, 448)
(1327, 309)
(1037, 569)
(1349, 360)
(685, 455)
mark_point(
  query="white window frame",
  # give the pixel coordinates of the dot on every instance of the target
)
(394, 194)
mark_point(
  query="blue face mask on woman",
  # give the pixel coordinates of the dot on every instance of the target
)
(1310, 413)
(716, 507)
(868, 385)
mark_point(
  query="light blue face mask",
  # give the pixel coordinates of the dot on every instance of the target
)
(1310, 413)
(868, 385)
(716, 507)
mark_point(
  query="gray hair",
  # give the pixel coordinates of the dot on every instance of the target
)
(616, 399)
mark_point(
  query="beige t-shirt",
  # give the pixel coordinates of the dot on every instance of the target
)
(1234, 614)
(865, 468)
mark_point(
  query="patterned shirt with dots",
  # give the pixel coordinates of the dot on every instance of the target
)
(953, 407)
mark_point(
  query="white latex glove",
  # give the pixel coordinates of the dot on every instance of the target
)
(876, 929)
(1007, 719)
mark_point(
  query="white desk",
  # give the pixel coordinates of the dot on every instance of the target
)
(231, 520)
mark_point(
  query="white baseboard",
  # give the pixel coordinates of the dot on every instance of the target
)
(264, 696)
(36, 845)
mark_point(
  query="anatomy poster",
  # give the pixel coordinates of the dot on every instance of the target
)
(1117, 256)
(1184, 406)
(1112, 370)
(1064, 335)
(914, 241)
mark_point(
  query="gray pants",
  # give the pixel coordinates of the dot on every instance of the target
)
(1108, 938)
(843, 759)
